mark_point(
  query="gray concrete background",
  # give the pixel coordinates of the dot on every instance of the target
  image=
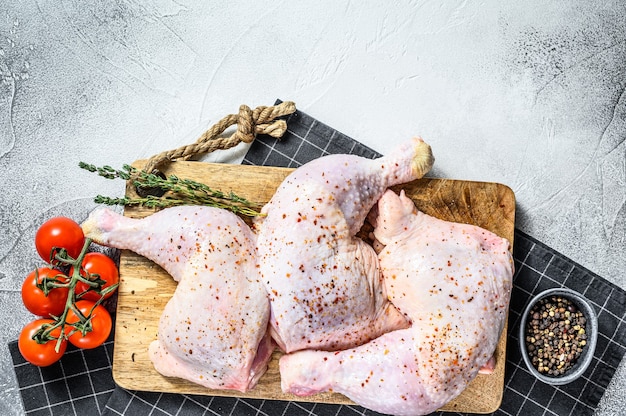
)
(529, 94)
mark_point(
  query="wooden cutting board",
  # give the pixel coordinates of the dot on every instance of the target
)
(145, 288)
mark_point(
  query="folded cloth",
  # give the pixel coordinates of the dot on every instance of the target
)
(81, 383)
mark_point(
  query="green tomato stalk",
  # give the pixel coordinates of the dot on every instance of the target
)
(59, 257)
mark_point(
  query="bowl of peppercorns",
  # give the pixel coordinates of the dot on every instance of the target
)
(558, 334)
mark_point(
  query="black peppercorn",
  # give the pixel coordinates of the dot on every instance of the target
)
(555, 335)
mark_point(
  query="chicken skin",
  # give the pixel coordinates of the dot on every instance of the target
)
(213, 331)
(453, 282)
(323, 282)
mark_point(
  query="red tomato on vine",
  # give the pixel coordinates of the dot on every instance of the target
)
(38, 351)
(104, 267)
(60, 232)
(100, 325)
(37, 301)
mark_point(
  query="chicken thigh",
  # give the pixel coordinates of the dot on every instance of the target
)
(213, 331)
(453, 282)
(324, 283)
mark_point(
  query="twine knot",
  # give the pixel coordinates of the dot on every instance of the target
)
(261, 120)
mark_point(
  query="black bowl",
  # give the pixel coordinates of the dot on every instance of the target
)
(591, 330)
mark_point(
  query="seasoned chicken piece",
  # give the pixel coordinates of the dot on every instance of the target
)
(324, 283)
(213, 331)
(453, 281)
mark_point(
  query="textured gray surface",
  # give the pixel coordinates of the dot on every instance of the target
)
(530, 94)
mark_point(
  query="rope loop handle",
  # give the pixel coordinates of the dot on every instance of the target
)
(261, 120)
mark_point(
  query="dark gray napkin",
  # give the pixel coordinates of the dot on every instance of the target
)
(81, 382)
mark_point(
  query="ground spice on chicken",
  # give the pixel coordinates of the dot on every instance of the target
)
(555, 335)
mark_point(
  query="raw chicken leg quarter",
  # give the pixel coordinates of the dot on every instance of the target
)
(213, 331)
(453, 282)
(324, 283)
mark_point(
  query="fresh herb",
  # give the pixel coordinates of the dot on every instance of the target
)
(175, 191)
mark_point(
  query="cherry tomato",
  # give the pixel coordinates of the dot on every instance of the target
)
(101, 324)
(61, 232)
(41, 355)
(102, 265)
(36, 300)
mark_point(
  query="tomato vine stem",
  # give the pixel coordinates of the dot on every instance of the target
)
(59, 257)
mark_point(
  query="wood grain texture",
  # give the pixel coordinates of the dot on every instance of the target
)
(145, 288)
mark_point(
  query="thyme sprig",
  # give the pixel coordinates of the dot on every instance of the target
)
(175, 191)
